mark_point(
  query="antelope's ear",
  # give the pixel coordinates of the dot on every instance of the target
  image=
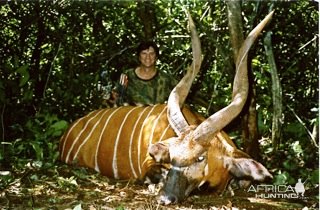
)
(160, 152)
(246, 168)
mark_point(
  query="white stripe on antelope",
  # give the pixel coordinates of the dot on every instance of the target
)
(134, 142)
(115, 141)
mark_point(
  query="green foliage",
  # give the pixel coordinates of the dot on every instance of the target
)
(68, 184)
(6, 178)
(121, 207)
(297, 161)
(314, 177)
(283, 178)
(24, 75)
(38, 139)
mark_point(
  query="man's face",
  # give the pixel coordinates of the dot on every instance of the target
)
(148, 57)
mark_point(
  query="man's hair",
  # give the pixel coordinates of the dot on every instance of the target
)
(145, 45)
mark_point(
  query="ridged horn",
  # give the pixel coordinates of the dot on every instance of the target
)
(181, 90)
(204, 132)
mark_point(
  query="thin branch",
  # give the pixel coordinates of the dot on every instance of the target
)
(116, 54)
(305, 127)
(205, 12)
(315, 36)
(50, 70)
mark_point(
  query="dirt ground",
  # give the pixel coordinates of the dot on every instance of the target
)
(64, 187)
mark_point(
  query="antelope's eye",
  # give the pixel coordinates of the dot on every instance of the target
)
(200, 159)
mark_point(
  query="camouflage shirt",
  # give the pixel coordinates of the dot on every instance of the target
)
(146, 92)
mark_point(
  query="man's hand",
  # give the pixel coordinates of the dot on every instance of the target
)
(124, 80)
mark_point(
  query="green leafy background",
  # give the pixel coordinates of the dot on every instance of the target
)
(60, 60)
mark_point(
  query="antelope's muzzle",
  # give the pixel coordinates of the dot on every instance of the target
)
(175, 187)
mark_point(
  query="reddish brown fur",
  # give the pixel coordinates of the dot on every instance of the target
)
(218, 176)
(86, 155)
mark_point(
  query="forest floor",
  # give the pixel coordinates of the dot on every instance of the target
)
(65, 187)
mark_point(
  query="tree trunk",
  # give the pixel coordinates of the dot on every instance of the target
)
(249, 113)
(147, 16)
(249, 121)
(276, 93)
(235, 26)
(36, 73)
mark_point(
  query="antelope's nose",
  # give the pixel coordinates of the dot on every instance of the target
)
(167, 199)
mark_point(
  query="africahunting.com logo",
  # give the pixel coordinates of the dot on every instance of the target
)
(279, 191)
